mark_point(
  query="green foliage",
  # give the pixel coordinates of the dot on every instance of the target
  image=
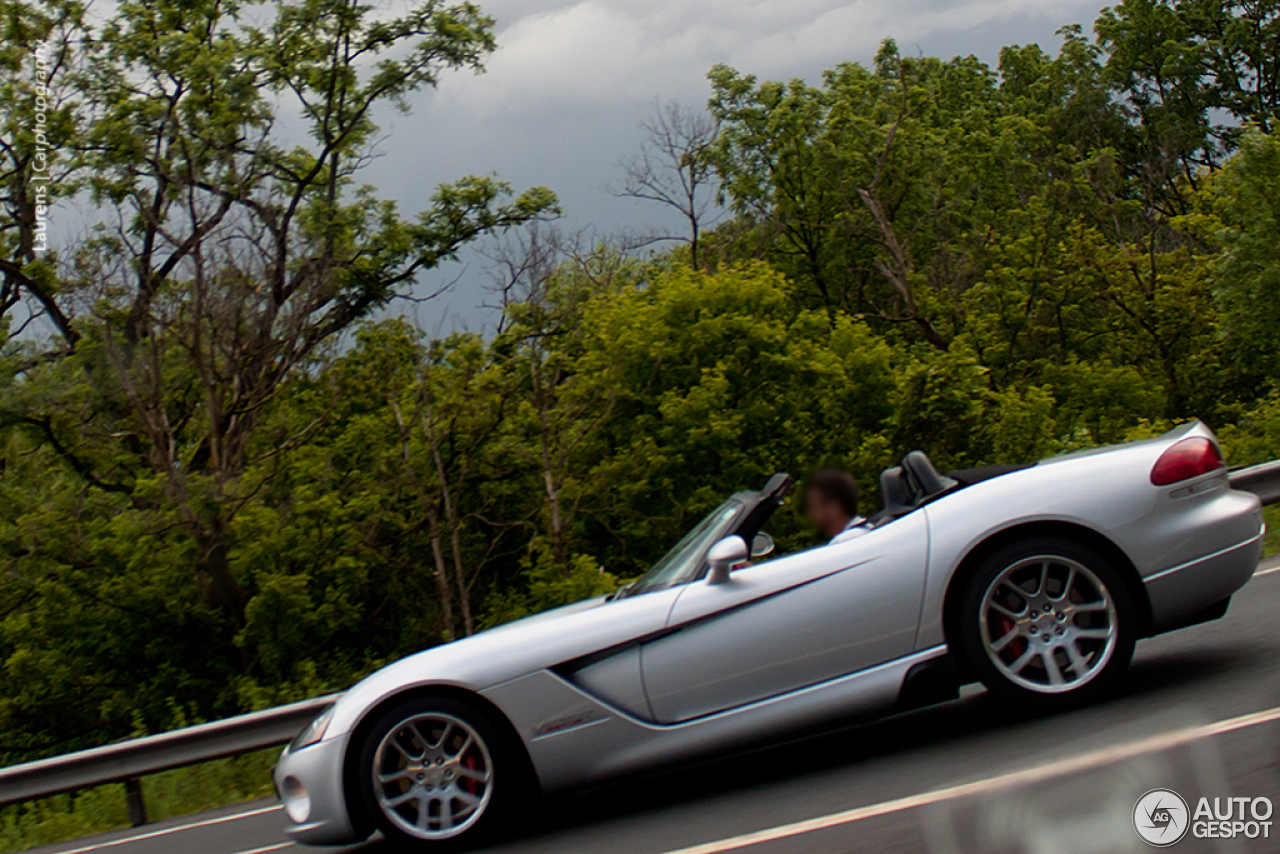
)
(1245, 199)
(721, 381)
(1009, 216)
(1194, 71)
(1255, 437)
(548, 584)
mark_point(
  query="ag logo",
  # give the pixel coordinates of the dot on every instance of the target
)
(1161, 817)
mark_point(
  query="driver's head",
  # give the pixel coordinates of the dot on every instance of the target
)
(831, 501)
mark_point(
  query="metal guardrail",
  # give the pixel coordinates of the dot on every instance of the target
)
(1262, 480)
(128, 761)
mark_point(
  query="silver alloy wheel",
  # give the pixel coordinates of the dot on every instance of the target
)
(1049, 624)
(433, 776)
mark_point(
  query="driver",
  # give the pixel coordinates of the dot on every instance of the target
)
(831, 504)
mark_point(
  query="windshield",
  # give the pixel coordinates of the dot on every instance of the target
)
(684, 562)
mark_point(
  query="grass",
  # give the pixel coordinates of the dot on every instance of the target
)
(173, 793)
(1271, 545)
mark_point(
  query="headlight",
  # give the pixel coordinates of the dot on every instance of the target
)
(314, 731)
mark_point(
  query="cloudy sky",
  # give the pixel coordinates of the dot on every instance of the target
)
(571, 80)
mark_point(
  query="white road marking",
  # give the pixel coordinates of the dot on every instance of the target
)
(1267, 571)
(267, 848)
(1038, 774)
(171, 830)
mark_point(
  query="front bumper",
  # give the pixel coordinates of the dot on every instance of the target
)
(310, 785)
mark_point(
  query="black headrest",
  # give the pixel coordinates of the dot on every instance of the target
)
(926, 477)
(897, 494)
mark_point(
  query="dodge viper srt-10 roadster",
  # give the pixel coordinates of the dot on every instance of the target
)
(1035, 580)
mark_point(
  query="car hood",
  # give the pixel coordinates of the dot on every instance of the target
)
(525, 623)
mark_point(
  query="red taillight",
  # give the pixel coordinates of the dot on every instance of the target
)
(1185, 460)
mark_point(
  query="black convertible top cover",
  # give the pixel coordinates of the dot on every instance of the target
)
(968, 477)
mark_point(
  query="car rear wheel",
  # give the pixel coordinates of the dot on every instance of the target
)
(436, 775)
(1048, 623)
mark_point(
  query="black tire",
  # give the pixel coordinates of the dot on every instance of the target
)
(1046, 627)
(507, 786)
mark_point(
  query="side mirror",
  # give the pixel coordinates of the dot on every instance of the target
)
(723, 556)
(762, 544)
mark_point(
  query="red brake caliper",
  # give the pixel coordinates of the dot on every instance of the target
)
(1018, 645)
(470, 762)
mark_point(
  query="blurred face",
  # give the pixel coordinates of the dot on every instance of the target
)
(825, 514)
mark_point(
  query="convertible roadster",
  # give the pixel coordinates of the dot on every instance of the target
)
(1035, 580)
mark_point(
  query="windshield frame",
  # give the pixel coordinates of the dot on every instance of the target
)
(686, 560)
(753, 510)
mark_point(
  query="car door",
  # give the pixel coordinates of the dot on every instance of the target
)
(789, 623)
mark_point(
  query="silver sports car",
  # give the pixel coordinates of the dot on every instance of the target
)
(1036, 580)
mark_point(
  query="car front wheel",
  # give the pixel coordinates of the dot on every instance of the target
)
(1048, 623)
(435, 775)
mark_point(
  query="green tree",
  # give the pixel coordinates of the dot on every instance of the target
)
(720, 380)
(235, 258)
(1193, 73)
(222, 265)
(1244, 203)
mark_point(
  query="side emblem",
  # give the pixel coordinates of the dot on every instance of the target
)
(564, 723)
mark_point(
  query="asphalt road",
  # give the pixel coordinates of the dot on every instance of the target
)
(1200, 715)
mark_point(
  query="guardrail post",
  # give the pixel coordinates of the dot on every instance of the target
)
(137, 806)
